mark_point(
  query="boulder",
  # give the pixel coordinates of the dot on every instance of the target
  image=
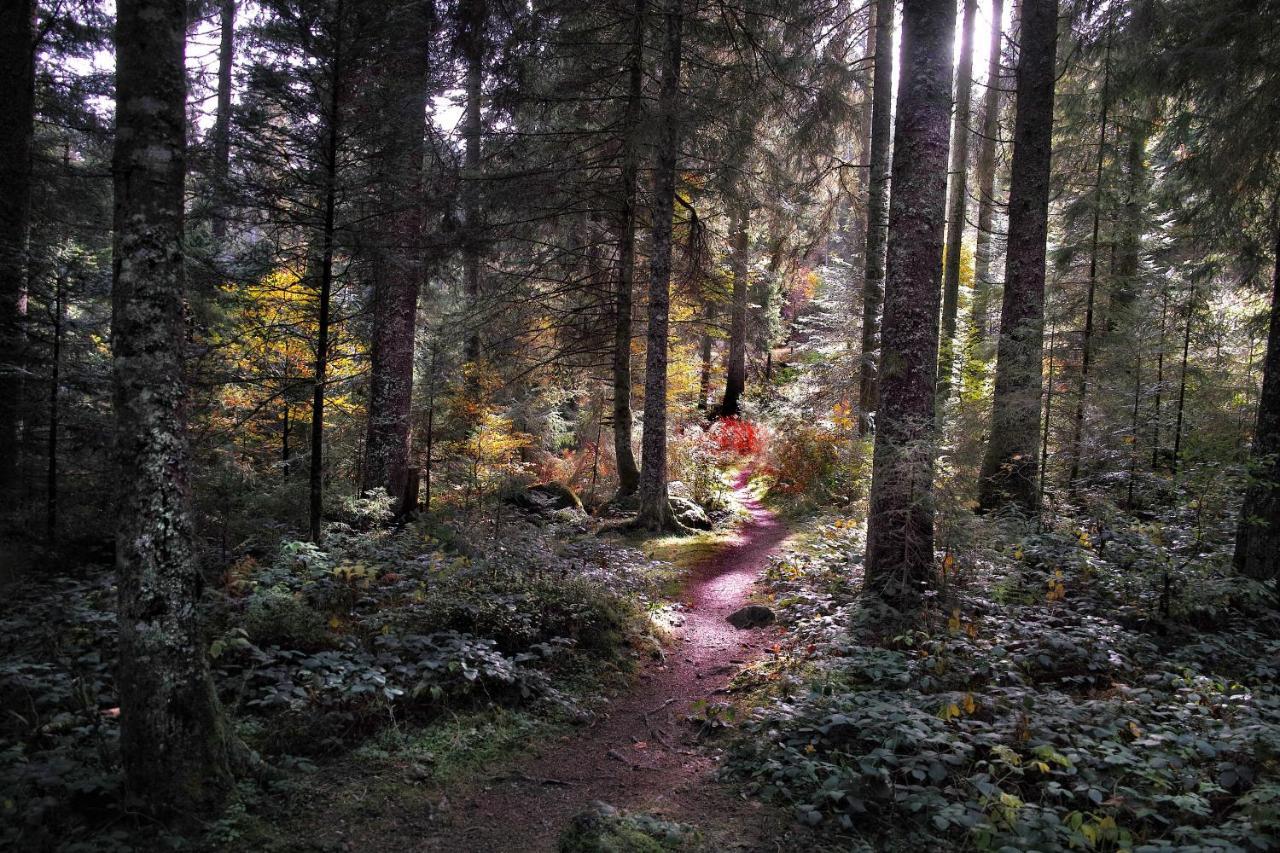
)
(547, 498)
(690, 514)
(751, 616)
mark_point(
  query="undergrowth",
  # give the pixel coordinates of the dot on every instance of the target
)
(1072, 689)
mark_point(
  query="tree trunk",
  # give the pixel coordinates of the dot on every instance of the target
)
(878, 160)
(172, 737)
(899, 558)
(706, 345)
(736, 374)
(986, 177)
(655, 511)
(55, 387)
(330, 189)
(475, 13)
(222, 122)
(1009, 466)
(398, 256)
(1048, 414)
(1086, 346)
(958, 204)
(1182, 382)
(1258, 536)
(1129, 250)
(17, 106)
(628, 472)
(1155, 417)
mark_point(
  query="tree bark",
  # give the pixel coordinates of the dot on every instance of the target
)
(398, 253)
(332, 120)
(1086, 346)
(1009, 466)
(1258, 535)
(17, 106)
(736, 372)
(475, 13)
(655, 511)
(899, 557)
(706, 346)
(222, 121)
(55, 388)
(628, 471)
(173, 741)
(986, 178)
(958, 204)
(877, 214)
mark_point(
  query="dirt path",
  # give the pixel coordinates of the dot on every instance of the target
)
(643, 755)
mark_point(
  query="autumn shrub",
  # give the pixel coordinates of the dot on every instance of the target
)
(694, 458)
(737, 436)
(812, 462)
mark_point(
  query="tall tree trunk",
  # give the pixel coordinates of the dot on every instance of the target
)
(55, 388)
(736, 374)
(1155, 416)
(475, 14)
(1009, 466)
(706, 344)
(628, 471)
(1129, 250)
(222, 122)
(899, 558)
(1258, 536)
(327, 227)
(1048, 413)
(398, 261)
(655, 511)
(878, 161)
(173, 741)
(958, 204)
(986, 178)
(17, 106)
(1182, 382)
(1086, 345)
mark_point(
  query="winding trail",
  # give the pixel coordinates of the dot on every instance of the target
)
(643, 756)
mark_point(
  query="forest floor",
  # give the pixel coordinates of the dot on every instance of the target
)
(641, 754)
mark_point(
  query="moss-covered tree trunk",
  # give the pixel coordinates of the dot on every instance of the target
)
(736, 373)
(17, 116)
(958, 204)
(628, 471)
(1258, 537)
(401, 93)
(173, 741)
(1009, 466)
(655, 511)
(899, 557)
(878, 159)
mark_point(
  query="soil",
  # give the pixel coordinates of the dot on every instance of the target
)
(642, 754)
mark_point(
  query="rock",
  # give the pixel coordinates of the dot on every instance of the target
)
(690, 514)
(677, 489)
(547, 497)
(601, 828)
(751, 616)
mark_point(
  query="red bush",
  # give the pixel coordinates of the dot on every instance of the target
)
(734, 435)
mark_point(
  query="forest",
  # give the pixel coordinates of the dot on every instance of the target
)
(639, 425)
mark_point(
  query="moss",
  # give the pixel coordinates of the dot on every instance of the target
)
(604, 829)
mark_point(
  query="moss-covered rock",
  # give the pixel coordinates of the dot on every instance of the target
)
(604, 829)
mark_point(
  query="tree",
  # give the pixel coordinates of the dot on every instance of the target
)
(17, 105)
(1258, 536)
(985, 169)
(173, 741)
(655, 511)
(736, 374)
(878, 161)
(899, 557)
(401, 91)
(1009, 466)
(628, 473)
(222, 122)
(958, 203)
